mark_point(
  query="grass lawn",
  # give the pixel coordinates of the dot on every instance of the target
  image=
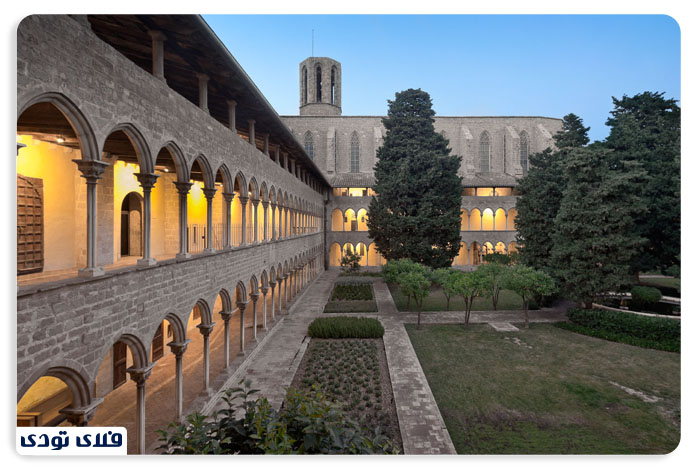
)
(549, 391)
(436, 301)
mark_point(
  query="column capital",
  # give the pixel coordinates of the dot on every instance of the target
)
(232, 103)
(83, 415)
(274, 205)
(209, 193)
(255, 202)
(157, 35)
(91, 169)
(228, 196)
(206, 328)
(241, 305)
(178, 348)
(243, 200)
(272, 284)
(264, 290)
(265, 204)
(140, 375)
(251, 122)
(147, 181)
(183, 187)
(254, 297)
(226, 316)
(202, 77)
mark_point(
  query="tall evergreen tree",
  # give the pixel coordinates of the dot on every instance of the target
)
(647, 128)
(541, 191)
(417, 211)
(594, 238)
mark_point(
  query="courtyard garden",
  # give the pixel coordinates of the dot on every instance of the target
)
(347, 361)
(546, 390)
(436, 301)
(352, 294)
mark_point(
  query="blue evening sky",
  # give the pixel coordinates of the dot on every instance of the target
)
(545, 65)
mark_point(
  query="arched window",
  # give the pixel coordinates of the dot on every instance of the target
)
(524, 151)
(485, 153)
(354, 153)
(304, 85)
(333, 85)
(309, 144)
(318, 84)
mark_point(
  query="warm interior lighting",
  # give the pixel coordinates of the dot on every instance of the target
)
(60, 139)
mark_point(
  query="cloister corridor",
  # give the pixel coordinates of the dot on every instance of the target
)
(119, 408)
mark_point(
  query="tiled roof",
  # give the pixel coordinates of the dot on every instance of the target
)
(352, 179)
(489, 179)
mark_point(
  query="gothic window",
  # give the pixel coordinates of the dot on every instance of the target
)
(485, 153)
(333, 85)
(318, 84)
(354, 153)
(309, 144)
(524, 151)
(304, 85)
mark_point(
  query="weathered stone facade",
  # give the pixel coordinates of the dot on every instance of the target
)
(333, 138)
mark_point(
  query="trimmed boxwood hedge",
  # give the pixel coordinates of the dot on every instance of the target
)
(345, 327)
(647, 332)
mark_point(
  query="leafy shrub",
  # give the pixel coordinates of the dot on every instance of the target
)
(350, 262)
(345, 327)
(373, 274)
(497, 257)
(643, 295)
(624, 327)
(669, 291)
(308, 424)
(352, 292)
(350, 306)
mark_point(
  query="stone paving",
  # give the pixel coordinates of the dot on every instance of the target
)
(503, 327)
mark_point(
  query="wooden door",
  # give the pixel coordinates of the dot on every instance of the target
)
(30, 228)
(119, 364)
(158, 344)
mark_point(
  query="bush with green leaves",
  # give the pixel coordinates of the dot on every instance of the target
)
(350, 262)
(498, 258)
(469, 285)
(529, 284)
(395, 268)
(625, 327)
(492, 277)
(445, 278)
(416, 285)
(644, 295)
(307, 424)
(345, 327)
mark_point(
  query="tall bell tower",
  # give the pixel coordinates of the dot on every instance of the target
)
(320, 86)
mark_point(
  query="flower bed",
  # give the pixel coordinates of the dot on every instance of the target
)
(354, 374)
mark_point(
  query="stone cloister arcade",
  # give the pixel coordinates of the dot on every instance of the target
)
(157, 239)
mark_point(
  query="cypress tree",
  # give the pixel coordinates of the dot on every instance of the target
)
(417, 212)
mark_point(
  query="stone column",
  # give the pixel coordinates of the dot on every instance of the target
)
(178, 349)
(243, 201)
(277, 154)
(252, 133)
(228, 220)
(273, 306)
(226, 316)
(280, 294)
(265, 220)
(264, 290)
(158, 39)
(209, 195)
(81, 417)
(205, 330)
(91, 172)
(183, 189)
(139, 376)
(232, 115)
(254, 298)
(273, 222)
(241, 306)
(203, 91)
(147, 182)
(255, 204)
(266, 144)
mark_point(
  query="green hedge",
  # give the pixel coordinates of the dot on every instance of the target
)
(352, 292)
(350, 307)
(345, 327)
(623, 327)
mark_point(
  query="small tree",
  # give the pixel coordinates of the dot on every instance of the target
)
(444, 279)
(499, 258)
(468, 285)
(492, 280)
(350, 262)
(415, 284)
(394, 269)
(528, 283)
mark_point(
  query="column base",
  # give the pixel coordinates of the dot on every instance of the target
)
(92, 272)
(183, 256)
(209, 251)
(146, 262)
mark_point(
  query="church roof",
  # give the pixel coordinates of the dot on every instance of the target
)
(489, 179)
